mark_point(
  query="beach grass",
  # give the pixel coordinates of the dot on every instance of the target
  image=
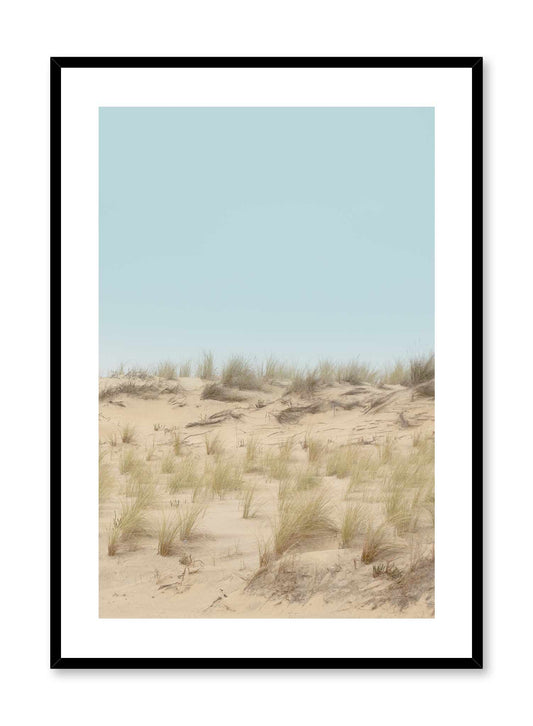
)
(239, 373)
(301, 518)
(342, 461)
(185, 475)
(167, 369)
(127, 434)
(223, 477)
(352, 522)
(248, 512)
(206, 366)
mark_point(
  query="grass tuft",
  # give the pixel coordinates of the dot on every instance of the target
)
(342, 461)
(112, 440)
(167, 370)
(128, 461)
(147, 390)
(352, 523)
(397, 374)
(213, 445)
(168, 464)
(129, 524)
(179, 527)
(216, 392)
(185, 475)
(327, 372)
(206, 366)
(166, 536)
(278, 465)
(308, 478)
(315, 449)
(224, 477)
(265, 553)
(386, 451)
(177, 445)
(365, 468)
(421, 369)
(377, 544)
(253, 451)
(127, 434)
(301, 518)
(247, 503)
(239, 373)
(355, 373)
(105, 480)
(189, 516)
(185, 369)
(140, 477)
(274, 369)
(304, 383)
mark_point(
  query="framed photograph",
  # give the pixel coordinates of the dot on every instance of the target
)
(266, 318)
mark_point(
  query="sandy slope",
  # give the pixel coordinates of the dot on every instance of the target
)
(215, 573)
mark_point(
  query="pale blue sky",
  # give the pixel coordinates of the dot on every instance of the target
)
(299, 232)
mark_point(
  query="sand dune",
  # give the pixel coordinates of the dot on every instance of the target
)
(361, 449)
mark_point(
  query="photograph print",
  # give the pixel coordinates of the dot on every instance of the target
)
(267, 374)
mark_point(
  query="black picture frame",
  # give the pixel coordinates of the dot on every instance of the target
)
(476, 659)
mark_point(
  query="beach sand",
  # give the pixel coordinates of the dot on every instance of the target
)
(265, 440)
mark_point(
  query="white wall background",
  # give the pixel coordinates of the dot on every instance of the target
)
(32, 31)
